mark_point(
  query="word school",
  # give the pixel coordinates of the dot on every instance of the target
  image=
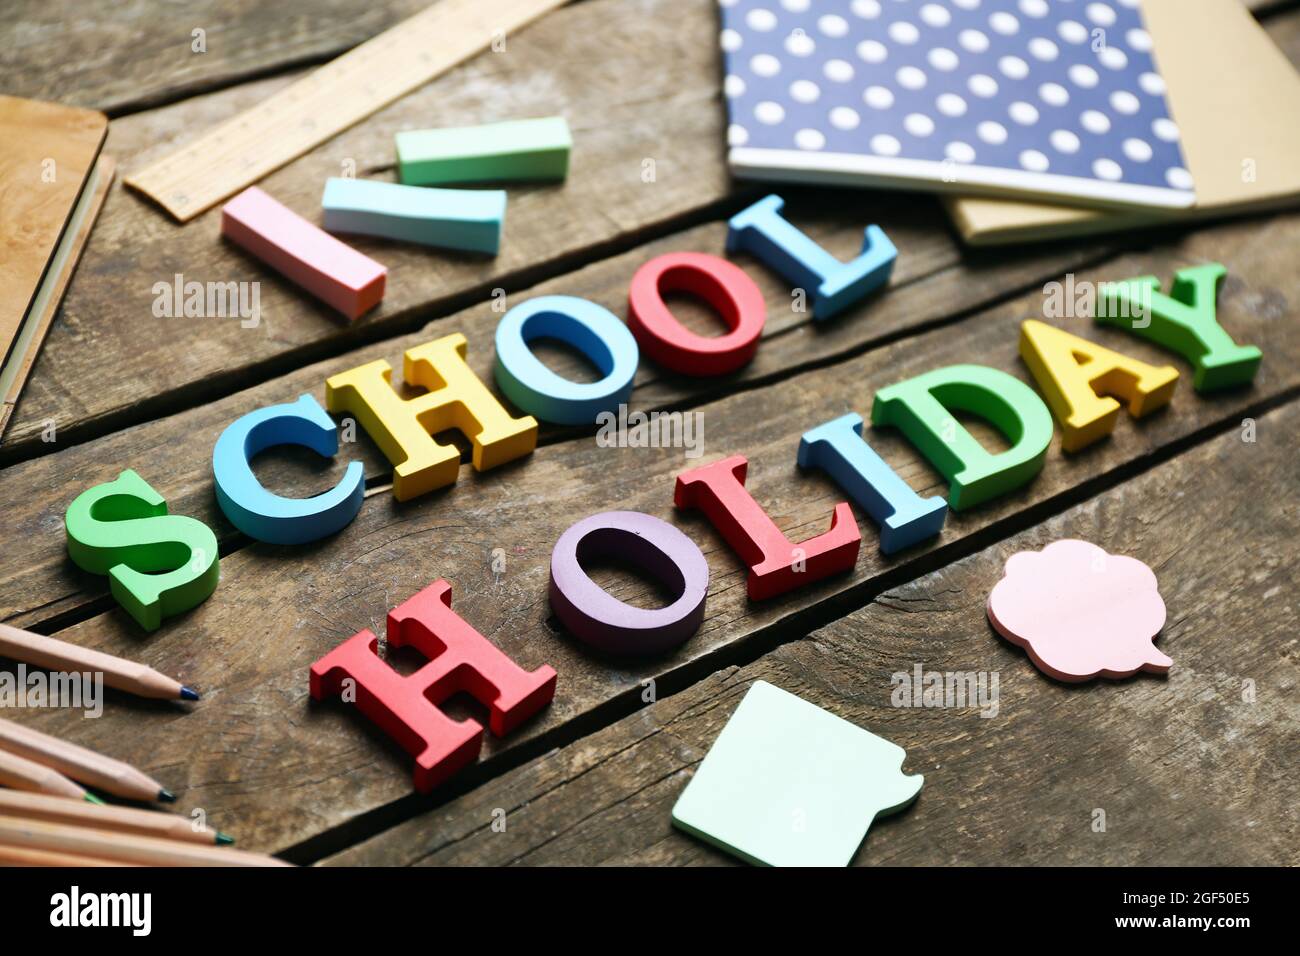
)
(160, 564)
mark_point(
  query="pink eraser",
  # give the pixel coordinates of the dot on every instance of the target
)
(329, 269)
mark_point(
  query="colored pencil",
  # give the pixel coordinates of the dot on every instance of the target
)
(168, 826)
(21, 856)
(127, 847)
(53, 654)
(23, 774)
(80, 764)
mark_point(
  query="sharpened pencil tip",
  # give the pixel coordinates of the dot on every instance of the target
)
(188, 694)
(166, 796)
(224, 839)
(91, 798)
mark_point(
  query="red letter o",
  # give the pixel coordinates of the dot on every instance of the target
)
(725, 287)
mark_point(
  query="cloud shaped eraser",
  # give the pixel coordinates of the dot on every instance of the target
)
(1080, 612)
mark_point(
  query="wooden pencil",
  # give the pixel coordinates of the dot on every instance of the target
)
(23, 774)
(80, 764)
(168, 826)
(127, 847)
(53, 654)
(21, 856)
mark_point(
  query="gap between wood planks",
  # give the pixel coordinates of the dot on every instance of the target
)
(1000, 790)
(217, 386)
(231, 541)
(794, 626)
(571, 62)
(923, 301)
(686, 669)
(326, 38)
(289, 772)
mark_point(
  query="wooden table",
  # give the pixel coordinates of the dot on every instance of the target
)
(1200, 767)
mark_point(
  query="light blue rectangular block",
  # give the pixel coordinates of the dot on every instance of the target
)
(468, 219)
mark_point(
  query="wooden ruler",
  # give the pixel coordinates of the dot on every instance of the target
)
(300, 117)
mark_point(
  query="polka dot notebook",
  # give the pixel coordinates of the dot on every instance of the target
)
(1028, 98)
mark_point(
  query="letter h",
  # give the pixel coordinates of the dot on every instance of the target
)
(407, 707)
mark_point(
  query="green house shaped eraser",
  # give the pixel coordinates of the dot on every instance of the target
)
(790, 784)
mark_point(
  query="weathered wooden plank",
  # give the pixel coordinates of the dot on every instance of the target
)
(125, 56)
(266, 765)
(38, 583)
(1192, 769)
(575, 62)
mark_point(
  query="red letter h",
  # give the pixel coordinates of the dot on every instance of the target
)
(460, 659)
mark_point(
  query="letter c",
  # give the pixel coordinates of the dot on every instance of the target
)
(269, 517)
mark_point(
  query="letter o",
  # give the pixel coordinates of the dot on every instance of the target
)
(605, 622)
(592, 330)
(725, 287)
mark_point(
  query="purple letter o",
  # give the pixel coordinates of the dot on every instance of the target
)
(605, 622)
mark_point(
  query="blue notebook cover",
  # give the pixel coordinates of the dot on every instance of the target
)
(1057, 99)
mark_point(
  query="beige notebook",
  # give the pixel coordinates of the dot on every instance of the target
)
(52, 182)
(45, 303)
(1236, 99)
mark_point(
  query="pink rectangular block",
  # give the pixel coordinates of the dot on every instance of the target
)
(329, 269)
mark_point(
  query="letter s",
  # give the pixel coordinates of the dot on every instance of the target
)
(122, 529)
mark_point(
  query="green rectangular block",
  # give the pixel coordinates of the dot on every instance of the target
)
(531, 149)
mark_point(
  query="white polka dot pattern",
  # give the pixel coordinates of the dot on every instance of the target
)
(1060, 89)
(838, 71)
(972, 41)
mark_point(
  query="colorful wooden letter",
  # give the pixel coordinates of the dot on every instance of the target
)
(592, 330)
(121, 528)
(790, 784)
(726, 288)
(904, 517)
(1074, 374)
(460, 660)
(528, 149)
(403, 428)
(764, 233)
(1184, 322)
(776, 564)
(602, 620)
(330, 270)
(468, 219)
(1079, 612)
(269, 517)
(920, 408)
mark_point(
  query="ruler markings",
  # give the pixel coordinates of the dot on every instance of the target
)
(284, 126)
